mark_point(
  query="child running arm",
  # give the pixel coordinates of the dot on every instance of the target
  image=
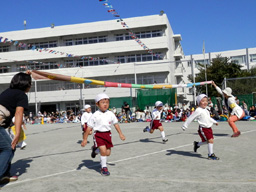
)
(122, 137)
(87, 132)
(190, 119)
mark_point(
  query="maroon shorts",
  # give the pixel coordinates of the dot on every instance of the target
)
(205, 133)
(103, 138)
(84, 127)
(155, 124)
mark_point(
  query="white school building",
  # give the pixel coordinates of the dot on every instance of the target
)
(109, 42)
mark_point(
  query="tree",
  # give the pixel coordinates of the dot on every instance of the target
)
(220, 68)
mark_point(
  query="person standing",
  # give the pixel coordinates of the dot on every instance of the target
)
(127, 110)
(13, 103)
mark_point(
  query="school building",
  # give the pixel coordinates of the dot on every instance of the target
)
(107, 42)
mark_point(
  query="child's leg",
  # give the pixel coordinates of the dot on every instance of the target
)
(210, 147)
(162, 132)
(231, 121)
(151, 131)
(104, 152)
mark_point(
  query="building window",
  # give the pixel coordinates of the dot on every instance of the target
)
(253, 58)
(5, 69)
(202, 61)
(81, 41)
(137, 58)
(69, 42)
(48, 44)
(140, 35)
(4, 48)
(37, 66)
(238, 59)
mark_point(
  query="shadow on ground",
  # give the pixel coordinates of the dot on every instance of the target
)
(185, 153)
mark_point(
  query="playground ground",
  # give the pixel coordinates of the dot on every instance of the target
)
(55, 161)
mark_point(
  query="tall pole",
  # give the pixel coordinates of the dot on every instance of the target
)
(205, 68)
(35, 97)
(193, 75)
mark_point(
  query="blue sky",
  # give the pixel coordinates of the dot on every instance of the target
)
(222, 24)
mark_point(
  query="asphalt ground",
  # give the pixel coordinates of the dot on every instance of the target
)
(54, 160)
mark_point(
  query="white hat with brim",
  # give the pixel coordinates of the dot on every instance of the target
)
(87, 106)
(101, 96)
(227, 91)
(158, 104)
(200, 97)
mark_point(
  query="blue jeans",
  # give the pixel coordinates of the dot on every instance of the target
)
(6, 153)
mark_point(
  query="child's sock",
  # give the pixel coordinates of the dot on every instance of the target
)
(163, 134)
(103, 161)
(210, 148)
(201, 143)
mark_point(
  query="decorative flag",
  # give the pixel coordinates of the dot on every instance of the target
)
(111, 10)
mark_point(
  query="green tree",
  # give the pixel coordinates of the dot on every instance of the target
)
(220, 68)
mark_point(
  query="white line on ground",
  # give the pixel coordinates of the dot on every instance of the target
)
(121, 160)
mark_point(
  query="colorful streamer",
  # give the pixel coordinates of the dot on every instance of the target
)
(131, 33)
(45, 75)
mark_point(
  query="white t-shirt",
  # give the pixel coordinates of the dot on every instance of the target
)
(156, 115)
(85, 117)
(102, 121)
(203, 117)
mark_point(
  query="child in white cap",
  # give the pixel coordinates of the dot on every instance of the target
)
(155, 123)
(205, 123)
(85, 117)
(101, 122)
(236, 111)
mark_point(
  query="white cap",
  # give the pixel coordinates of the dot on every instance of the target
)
(227, 91)
(101, 96)
(200, 97)
(87, 106)
(159, 104)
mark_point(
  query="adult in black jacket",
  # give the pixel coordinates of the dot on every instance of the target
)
(13, 102)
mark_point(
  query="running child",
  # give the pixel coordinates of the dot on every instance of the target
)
(155, 123)
(101, 122)
(85, 117)
(205, 123)
(236, 111)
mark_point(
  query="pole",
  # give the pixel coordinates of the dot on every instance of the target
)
(205, 68)
(135, 75)
(35, 97)
(193, 75)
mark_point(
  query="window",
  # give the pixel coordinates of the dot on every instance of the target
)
(140, 35)
(37, 66)
(90, 40)
(69, 42)
(253, 58)
(238, 59)
(4, 48)
(137, 58)
(5, 69)
(46, 44)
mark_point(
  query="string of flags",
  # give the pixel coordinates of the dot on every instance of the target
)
(127, 28)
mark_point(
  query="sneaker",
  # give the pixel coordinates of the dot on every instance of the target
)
(213, 157)
(104, 171)
(7, 179)
(165, 140)
(93, 154)
(236, 134)
(196, 146)
(146, 129)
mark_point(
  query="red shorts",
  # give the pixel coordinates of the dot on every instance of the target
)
(103, 138)
(155, 124)
(84, 127)
(205, 133)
